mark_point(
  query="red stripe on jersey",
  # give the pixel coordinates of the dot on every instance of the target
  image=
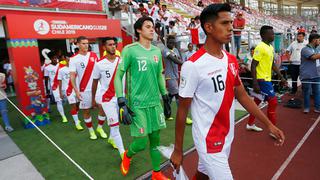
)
(115, 124)
(88, 71)
(55, 80)
(197, 55)
(110, 93)
(220, 127)
(70, 88)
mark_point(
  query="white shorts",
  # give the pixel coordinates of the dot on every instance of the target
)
(216, 166)
(72, 98)
(56, 95)
(86, 101)
(111, 110)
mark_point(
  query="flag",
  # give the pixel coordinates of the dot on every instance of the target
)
(198, 36)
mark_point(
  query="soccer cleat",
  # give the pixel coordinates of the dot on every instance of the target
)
(306, 111)
(125, 164)
(158, 176)
(8, 128)
(102, 133)
(64, 119)
(253, 128)
(93, 135)
(121, 155)
(112, 143)
(170, 119)
(79, 127)
(189, 121)
(316, 111)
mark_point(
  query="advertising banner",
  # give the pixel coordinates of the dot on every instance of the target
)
(53, 27)
(74, 5)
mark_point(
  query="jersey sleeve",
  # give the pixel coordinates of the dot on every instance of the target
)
(188, 80)
(72, 66)
(96, 73)
(125, 59)
(257, 55)
(161, 81)
(46, 72)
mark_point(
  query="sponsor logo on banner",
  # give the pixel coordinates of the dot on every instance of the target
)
(41, 26)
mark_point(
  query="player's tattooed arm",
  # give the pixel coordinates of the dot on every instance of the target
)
(94, 91)
(60, 89)
(255, 84)
(73, 83)
(174, 59)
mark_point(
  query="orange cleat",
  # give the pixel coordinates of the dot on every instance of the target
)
(125, 164)
(158, 176)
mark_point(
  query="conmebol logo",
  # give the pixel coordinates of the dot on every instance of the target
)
(41, 27)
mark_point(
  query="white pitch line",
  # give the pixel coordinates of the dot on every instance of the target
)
(294, 152)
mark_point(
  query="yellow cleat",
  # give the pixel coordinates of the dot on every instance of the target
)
(102, 133)
(93, 135)
(112, 143)
(79, 127)
(188, 121)
(170, 119)
(64, 119)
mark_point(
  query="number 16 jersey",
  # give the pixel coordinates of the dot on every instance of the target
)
(210, 81)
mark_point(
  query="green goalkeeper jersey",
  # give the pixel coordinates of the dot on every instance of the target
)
(144, 79)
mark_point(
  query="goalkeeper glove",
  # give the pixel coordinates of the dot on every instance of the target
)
(166, 105)
(125, 113)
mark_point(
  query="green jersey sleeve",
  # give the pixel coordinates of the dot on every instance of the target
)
(162, 86)
(122, 68)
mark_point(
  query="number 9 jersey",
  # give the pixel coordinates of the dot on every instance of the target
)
(210, 81)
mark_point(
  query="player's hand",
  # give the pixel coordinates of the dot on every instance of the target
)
(256, 88)
(78, 95)
(125, 113)
(166, 105)
(278, 133)
(176, 160)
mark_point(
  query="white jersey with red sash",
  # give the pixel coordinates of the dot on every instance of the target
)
(51, 71)
(105, 71)
(210, 81)
(83, 65)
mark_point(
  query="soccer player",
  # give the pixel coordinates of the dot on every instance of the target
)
(209, 82)
(81, 69)
(142, 63)
(261, 71)
(51, 77)
(172, 59)
(104, 72)
(67, 91)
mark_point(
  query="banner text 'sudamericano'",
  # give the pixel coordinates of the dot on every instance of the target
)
(74, 5)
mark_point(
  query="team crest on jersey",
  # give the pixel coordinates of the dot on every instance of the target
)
(182, 82)
(156, 59)
(142, 130)
(233, 69)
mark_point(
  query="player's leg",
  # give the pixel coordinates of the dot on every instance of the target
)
(251, 126)
(215, 166)
(74, 113)
(306, 89)
(85, 105)
(316, 94)
(115, 139)
(101, 120)
(173, 90)
(267, 88)
(138, 144)
(138, 130)
(59, 102)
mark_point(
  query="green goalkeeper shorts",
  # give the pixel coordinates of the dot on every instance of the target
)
(147, 120)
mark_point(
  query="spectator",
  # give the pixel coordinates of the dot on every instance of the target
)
(200, 4)
(301, 29)
(197, 22)
(173, 30)
(192, 24)
(143, 11)
(238, 25)
(165, 17)
(190, 52)
(8, 72)
(289, 33)
(313, 30)
(245, 68)
(310, 73)
(153, 11)
(294, 51)
(3, 103)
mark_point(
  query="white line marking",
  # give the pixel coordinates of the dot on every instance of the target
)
(294, 152)
(52, 142)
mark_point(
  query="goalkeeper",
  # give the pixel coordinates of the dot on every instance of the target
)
(142, 63)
